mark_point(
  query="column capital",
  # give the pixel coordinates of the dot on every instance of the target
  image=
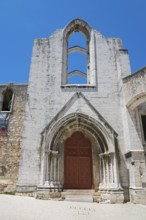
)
(106, 154)
(51, 152)
(54, 153)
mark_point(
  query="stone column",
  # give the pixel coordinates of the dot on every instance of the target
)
(51, 171)
(55, 168)
(103, 172)
(43, 165)
(111, 170)
(46, 170)
(116, 183)
(109, 176)
(107, 171)
(49, 168)
(57, 173)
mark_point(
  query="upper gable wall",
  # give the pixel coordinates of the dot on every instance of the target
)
(108, 60)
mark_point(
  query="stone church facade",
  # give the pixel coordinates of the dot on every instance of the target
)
(59, 138)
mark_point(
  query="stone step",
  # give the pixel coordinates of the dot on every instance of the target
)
(78, 192)
(79, 198)
(78, 195)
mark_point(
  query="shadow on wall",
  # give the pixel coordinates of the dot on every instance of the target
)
(134, 118)
(123, 172)
(138, 118)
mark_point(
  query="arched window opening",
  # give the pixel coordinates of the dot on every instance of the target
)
(7, 99)
(77, 61)
(78, 58)
(76, 78)
(77, 38)
(5, 110)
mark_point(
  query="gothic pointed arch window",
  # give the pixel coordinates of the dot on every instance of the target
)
(7, 99)
(78, 58)
(6, 109)
(78, 66)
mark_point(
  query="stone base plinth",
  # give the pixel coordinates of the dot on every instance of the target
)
(26, 188)
(112, 196)
(138, 196)
(7, 185)
(47, 194)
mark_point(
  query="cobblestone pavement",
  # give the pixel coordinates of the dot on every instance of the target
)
(26, 208)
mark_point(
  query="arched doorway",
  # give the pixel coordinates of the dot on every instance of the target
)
(77, 162)
(79, 153)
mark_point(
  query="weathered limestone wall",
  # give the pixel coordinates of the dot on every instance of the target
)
(134, 87)
(134, 96)
(10, 142)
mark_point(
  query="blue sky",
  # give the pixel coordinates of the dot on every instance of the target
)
(23, 20)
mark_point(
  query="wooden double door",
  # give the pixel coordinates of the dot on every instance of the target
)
(77, 162)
